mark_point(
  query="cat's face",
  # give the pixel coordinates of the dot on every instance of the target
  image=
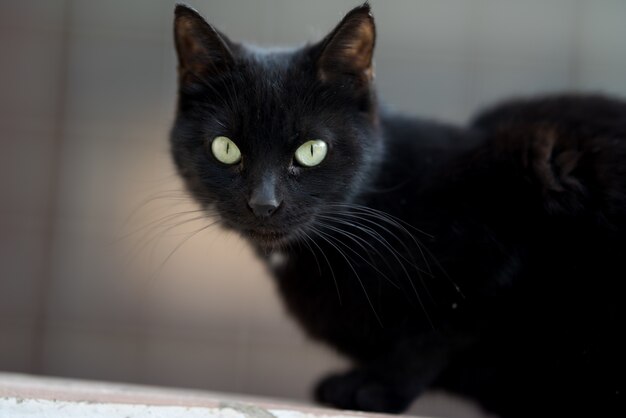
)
(268, 140)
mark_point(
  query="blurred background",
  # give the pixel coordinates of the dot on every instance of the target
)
(87, 96)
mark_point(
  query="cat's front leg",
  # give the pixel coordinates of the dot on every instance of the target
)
(366, 389)
(389, 384)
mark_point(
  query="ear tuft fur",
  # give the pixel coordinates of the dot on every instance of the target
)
(202, 51)
(348, 50)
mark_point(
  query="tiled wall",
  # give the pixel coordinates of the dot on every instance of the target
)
(86, 100)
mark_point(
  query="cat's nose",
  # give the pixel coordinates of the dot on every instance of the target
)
(263, 200)
(263, 208)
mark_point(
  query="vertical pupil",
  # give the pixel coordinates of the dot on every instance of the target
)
(311, 150)
(227, 147)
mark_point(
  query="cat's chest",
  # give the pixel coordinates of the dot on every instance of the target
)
(348, 296)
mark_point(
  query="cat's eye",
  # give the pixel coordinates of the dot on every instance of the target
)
(225, 150)
(311, 153)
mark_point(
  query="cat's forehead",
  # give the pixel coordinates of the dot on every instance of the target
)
(272, 87)
(262, 53)
(273, 67)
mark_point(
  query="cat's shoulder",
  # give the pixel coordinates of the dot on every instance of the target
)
(402, 130)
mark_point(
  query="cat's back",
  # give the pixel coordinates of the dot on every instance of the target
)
(423, 133)
(594, 114)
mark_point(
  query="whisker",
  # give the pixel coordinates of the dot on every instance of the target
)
(151, 223)
(445, 273)
(166, 194)
(303, 239)
(330, 266)
(353, 238)
(180, 244)
(383, 216)
(410, 280)
(162, 234)
(382, 213)
(376, 235)
(328, 240)
(150, 236)
(361, 214)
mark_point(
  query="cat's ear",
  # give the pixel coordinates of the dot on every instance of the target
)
(348, 50)
(203, 52)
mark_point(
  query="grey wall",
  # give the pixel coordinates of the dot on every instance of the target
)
(86, 100)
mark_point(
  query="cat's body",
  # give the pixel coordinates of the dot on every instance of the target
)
(483, 260)
(539, 312)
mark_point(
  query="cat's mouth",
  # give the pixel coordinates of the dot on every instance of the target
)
(267, 237)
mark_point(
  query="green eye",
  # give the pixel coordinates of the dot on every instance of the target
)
(225, 150)
(311, 153)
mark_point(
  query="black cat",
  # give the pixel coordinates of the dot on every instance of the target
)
(488, 260)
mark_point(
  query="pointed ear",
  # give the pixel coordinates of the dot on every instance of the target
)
(202, 51)
(348, 50)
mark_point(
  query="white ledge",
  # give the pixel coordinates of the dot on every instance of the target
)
(35, 396)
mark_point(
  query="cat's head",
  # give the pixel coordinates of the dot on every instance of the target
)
(270, 139)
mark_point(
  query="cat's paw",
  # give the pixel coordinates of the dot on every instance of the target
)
(361, 390)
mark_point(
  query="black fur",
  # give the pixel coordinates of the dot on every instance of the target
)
(484, 260)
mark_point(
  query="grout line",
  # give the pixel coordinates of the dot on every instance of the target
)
(576, 35)
(42, 294)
